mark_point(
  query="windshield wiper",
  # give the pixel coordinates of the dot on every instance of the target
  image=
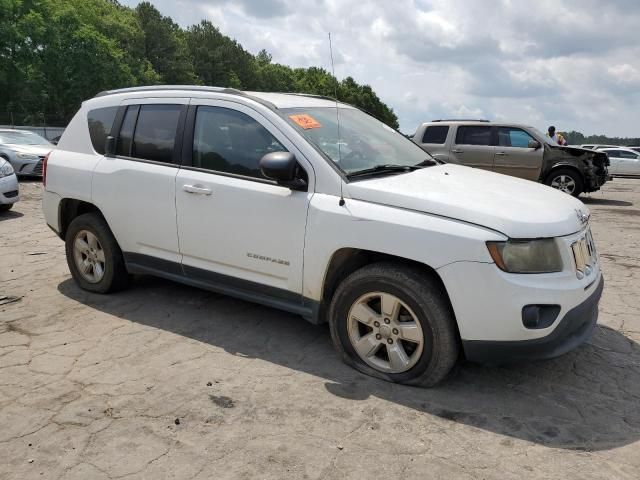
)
(428, 162)
(388, 168)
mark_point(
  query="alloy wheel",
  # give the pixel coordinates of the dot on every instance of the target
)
(564, 183)
(89, 256)
(385, 333)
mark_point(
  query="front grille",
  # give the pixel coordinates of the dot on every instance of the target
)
(38, 168)
(11, 194)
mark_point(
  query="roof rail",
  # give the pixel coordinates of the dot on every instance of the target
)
(192, 88)
(145, 88)
(461, 120)
(323, 97)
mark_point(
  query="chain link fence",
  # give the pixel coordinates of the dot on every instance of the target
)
(46, 126)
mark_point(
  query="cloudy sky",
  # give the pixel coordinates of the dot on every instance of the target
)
(571, 63)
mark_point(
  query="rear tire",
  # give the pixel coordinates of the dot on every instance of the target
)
(566, 180)
(93, 255)
(411, 340)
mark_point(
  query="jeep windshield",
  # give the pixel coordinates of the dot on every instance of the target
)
(365, 146)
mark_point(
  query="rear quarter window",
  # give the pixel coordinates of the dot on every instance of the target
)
(100, 121)
(436, 134)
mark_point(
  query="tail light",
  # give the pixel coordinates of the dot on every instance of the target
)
(44, 169)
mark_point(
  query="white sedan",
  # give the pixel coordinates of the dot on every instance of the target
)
(624, 161)
(8, 185)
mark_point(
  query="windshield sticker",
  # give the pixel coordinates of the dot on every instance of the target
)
(305, 121)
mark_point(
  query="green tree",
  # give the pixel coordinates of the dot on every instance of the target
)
(56, 53)
(215, 56)
(165, 46)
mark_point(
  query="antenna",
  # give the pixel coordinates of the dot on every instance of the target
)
(333, 71)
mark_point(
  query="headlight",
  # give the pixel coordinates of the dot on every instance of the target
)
(6, 169)
(27, 156)
(527, 256)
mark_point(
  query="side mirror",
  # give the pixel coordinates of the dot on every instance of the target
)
(282, 167)
(534, 144)
(110, 146)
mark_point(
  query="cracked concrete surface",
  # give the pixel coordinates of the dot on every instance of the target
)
(168, 381)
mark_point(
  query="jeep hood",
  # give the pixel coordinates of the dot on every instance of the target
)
(515, 207)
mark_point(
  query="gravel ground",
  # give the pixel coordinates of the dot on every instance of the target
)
(168, 381)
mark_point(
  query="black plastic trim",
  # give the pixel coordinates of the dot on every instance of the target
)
(187, 137)
(574, 329)
(138, 260)
(234, 175)
(235, 287)
(142, 160)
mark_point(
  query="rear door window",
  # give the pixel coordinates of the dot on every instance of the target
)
(436, 134)
(155, 132)
(473, 135)
(612, 153)
(100, 121)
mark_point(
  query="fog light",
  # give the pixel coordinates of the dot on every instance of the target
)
(539, 316)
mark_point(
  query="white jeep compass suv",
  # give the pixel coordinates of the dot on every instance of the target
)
(314, 207)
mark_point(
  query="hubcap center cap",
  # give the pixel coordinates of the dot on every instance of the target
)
(385, 331)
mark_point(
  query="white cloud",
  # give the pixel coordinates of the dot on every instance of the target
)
(572, 63)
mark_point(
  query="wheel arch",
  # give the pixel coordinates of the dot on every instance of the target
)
(70, 208)
(345, 261)
(563, 165)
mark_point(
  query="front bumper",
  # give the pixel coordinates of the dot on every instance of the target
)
(593, 180)
(28, 167)
(574, 329)
(489, 305)
(9, 190)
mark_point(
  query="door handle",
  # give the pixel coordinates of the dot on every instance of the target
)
(457, 151)
(197, 189)
(502, 154)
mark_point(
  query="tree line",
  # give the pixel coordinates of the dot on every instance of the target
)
(56, 53)
(577, 138)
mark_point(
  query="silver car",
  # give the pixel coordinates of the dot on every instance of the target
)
(625, 162)
(8, 186)
(24, 150)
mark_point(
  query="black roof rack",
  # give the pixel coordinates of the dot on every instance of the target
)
(197, 88)
(193, 88)
(461, 120)
(323, 97)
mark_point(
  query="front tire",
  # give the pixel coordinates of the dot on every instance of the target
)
(93, 255)
(395, 323)
(566, 180)
(5, 207)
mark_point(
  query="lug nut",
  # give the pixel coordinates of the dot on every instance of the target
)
(395, 331)
(376, 323)
(387, 321)
(389, 340)
(378, 336)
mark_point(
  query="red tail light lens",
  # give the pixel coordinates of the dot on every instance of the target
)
(44, 169)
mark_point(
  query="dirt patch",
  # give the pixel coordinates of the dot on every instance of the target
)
(622, 211)
(222, 401)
